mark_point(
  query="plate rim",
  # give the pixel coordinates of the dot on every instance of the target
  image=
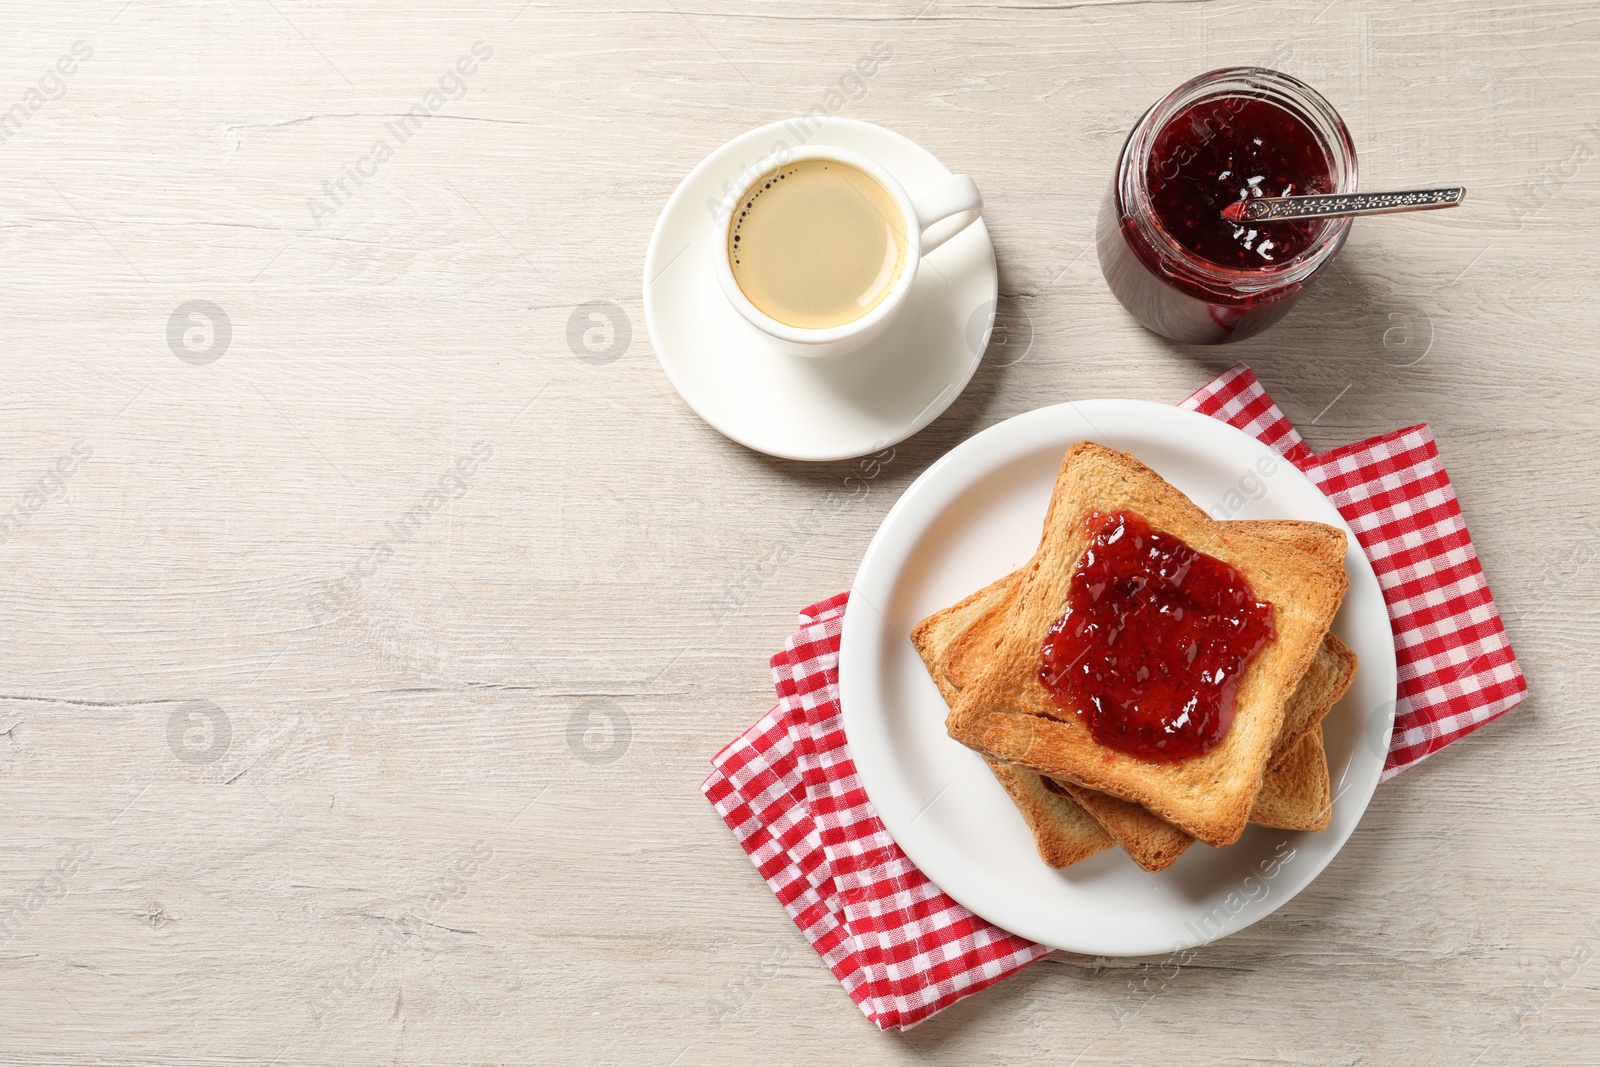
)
(857, 624)
(948, 396)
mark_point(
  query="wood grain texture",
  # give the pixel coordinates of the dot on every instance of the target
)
(318, 747)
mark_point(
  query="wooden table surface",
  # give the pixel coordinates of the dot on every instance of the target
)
(367, 638)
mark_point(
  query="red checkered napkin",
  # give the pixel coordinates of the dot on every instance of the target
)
(788, 790)
(1457, 670)
(903, 950)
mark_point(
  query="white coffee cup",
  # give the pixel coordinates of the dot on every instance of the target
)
(953, 198)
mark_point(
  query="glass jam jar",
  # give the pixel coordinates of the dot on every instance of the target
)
(1170, 257)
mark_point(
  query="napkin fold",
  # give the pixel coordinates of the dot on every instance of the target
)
(904, 951)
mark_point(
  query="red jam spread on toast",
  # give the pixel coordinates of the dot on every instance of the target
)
(1153, 642)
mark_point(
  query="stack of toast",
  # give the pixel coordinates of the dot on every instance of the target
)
(1079, 796)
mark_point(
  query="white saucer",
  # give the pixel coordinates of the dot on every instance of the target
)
(974, 516)
(814, 408)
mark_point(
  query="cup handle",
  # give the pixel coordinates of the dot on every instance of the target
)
(955, 195)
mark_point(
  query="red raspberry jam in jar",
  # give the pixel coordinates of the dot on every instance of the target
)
(1153, 642)
(1170, 257)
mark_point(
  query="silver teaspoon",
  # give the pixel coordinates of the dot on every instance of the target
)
(1275, 208)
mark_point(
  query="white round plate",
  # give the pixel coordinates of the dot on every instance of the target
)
(974, 516)
(800, 407)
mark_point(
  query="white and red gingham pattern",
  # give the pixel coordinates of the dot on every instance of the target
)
(1457, 670)
(788, 789)
(902, 949)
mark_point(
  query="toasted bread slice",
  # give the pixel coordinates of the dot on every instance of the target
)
(1062, 831)
(1294, 791)
(1303, 797)
(1008, 715)
(1294, 794)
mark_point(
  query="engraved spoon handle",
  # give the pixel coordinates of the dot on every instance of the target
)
(1272, 208)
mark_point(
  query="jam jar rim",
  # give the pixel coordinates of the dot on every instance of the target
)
(1260, 83)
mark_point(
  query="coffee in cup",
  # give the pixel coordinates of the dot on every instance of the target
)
(820, 253)
(817, 243)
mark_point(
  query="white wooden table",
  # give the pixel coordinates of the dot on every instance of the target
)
(362, 658)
